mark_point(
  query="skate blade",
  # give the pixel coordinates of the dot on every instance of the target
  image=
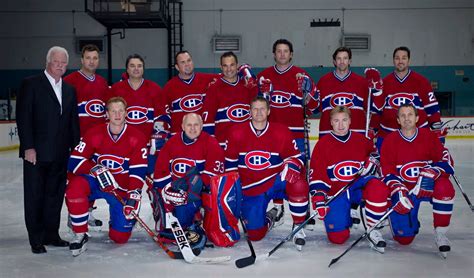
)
(77, 252)
(443, 255)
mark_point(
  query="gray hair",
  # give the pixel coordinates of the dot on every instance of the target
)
(55, 49)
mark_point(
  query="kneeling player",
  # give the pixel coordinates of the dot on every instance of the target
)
(337, 159)
(268, 162)
(413, 159)
(109, 163)
(176, 189)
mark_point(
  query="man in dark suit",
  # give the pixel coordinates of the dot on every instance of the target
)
(48, 128)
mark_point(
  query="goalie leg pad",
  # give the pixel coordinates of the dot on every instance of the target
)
(77, 202)
(443, 199)
(222, 209)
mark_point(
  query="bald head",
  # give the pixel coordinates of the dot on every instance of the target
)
(192, 125)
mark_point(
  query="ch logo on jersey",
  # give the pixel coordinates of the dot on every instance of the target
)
(137, 115)
(346, 170)
(95, 108)
(112, 162)
(180, 166)
(410, 171)
(191, 103)
(399, 99)
(257, 160)
(342, 99)
(238, 112)
(280, 99)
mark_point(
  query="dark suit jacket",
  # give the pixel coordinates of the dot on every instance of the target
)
(41, 125)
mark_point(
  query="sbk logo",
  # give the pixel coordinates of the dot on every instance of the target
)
(258, 160)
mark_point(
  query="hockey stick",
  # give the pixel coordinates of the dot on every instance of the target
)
(185, 247)
(463, 193)
(367, 117)
(243, 262)
(333, 261)
(251, 259)
(171, 254)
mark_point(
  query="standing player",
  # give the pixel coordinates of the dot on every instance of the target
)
(267, 159)
(185, 93)
(227, 100)
(337, 159)
(406, 86)
(109, 163)
(342, 87)
(145, 106)
(294, 96)
(188, 149)
(414, 158)
(91, 93)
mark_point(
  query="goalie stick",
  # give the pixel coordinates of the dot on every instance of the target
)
(244, 262)
(185, 247)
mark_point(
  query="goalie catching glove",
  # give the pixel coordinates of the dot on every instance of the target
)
(132, 204)
(105, 178)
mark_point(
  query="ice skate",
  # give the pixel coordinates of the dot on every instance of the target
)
(444, 246)
(299, 238)
(376, 241)
(79, 244)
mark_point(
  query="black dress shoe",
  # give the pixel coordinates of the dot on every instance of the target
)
(58, 242)
(38, 249)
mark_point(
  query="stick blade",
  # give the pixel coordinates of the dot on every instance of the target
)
(333, 261)
(244, 262)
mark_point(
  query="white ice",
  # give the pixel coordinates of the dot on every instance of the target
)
(141, 257)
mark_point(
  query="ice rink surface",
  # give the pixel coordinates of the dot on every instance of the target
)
(141, 257)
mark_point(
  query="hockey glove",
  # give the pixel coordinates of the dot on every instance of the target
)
(371, 165)
(157, 141)
(426, 179)
(245, 72)
(105, 178)
(265, 87)
(291, 171)
(173, 197)
(440, 131)
(372, 75)
(403, 204)
(318, 199)
(305, 85)
(132, 204)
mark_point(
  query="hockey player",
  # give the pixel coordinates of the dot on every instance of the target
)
(406, 86)
(109, 163)
(145, 106)
(185, 93)
(188, 149)
(92, 92)
(343, 87)
(291, 91)
(269, 164)
(227, 100)
(414, 159)
(337, 159)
